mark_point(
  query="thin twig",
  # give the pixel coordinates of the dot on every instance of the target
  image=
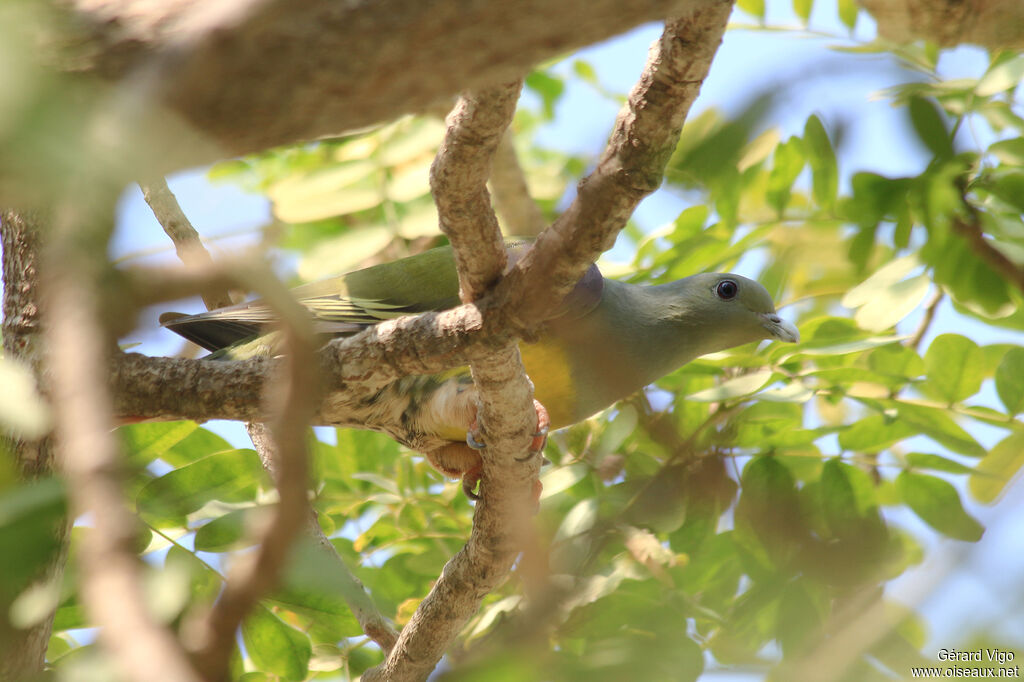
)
(458, 180)
(187, 243)
(926, 320)
(291, 401)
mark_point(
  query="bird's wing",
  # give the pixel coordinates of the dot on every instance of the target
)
(356, 300)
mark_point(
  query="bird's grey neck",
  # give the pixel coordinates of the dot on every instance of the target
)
(661, 331)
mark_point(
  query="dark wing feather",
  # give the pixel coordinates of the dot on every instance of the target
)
(352, 302)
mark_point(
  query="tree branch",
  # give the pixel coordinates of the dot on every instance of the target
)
(458, 180)
(187, 243)
(631, 167)
(334, 66)
(111, 587)
(282, 446)
(23, 650)
(997, 260)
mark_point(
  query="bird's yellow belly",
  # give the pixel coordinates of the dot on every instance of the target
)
(548, 366)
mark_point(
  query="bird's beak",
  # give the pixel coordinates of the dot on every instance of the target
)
(779, 328)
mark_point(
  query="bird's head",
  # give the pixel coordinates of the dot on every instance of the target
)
(732, 310)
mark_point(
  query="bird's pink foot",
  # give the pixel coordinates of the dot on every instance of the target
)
(475, 440)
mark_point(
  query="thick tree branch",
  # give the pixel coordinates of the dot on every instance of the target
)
(458, 180)
(254, 75)
(631, 167)
(23, 650)
(995, 24)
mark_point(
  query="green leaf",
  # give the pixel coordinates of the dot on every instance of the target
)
(562, 478)
(955, 368)
(196, 445)
(754, 8)
(23, 412)
(896, 360)
(930, 126)
(580, 519)
(231, 476)
(548, 87)
(585, 71)
(996, 471)
(837, 497)
(31, 515)
(274, 646)
(821, 156)
(314, 585)
(768, 512)
(936, 423)
(802, 8)
(873, 434)
(1001, 77)
(146, 441)
(224, 532)
(801, 616)
(734, 388)
(886, 297)
(787, 164)
(344, 252)
(336, 190)
(848, 13)
(921, 460)
(938, 504)
(1010, 151)
(1010, 381)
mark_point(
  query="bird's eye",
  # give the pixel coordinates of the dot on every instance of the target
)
(727, 289)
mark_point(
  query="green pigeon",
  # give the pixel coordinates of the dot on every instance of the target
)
(607, 339)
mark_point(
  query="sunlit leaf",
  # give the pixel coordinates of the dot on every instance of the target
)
(1003, 76)
(848, 13)
(921, 460)
(998, 468)
(937, 503)
(930, 127)
(822, 158)
(954, 368)
(229, 476)
(274, 646)
(802, 8)
(734, 388)
(754, 8)
(22, 410)
(1010, 380)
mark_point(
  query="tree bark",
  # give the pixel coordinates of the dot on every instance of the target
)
(251, 75)
(23, 650)
(995, 24)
